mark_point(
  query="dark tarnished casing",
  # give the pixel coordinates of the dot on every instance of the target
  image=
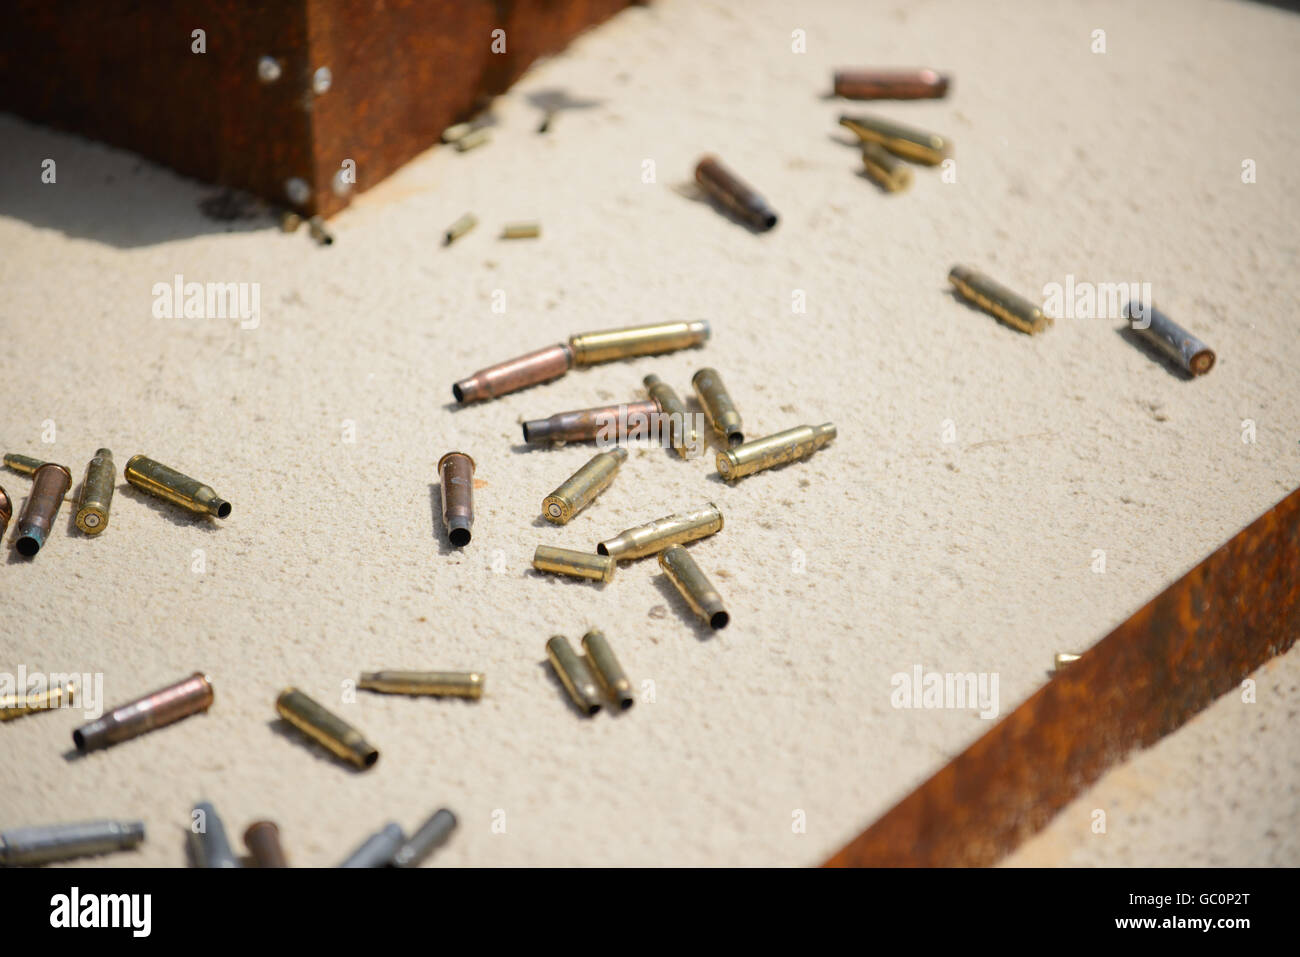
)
(629, 420)
(154, 710)
(50, 484)
(1170, 339)
(262, 838)
(456, 476)
(732, 192)
(918, 84)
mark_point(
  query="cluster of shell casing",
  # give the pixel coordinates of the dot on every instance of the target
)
(593, 677)
(887, 147)
(391, 847)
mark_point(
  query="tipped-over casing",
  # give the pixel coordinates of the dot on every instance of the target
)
(694, 585)
(97, 493)
(6, 511)
(432, 834)
(456, 476)
(262, 838)
(455, 684)
(26, 702)
(765, 453)
(209, 845)
(920, 84)
(662, 532)
(379, 849)
(50, 483)
(998, 301)
(682, 435)
(610, 674)
(326, 728)
(155, 710)
(732, 192)
(64, 842)
(26, 464)
(172, 486)
(514, 374)
(891, 172)
(606, 345)
(575, 564)
(1170, 339)
(582, 487)
(574, 674)
(604, 423)
(931, 149)
(718, 407)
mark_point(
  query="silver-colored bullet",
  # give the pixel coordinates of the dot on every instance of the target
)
(378, 849)
(64, 842)
(426, 840)
(209, 846)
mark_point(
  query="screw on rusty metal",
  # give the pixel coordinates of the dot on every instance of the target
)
(268, 69)
(297, 190)
(321, 80)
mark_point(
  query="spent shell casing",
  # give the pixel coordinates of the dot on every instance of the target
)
(521, 230)
(604, 423)
(209, 846)
(316, 226)
(919, 84)
(655, 536)
(155, 710)
(575, 564)
(456, 475)
(26, 464)
(379, 849)
(455, 684)
(1064, 659)
(262, 838)
(694, 585)
(325, 728)
(50, 483)
(582, 487)
(289, 221)
(473, 139)
(609, 344)
(514, 374)
(999, 301)
(6, 511)
(1170, 339)
(459, 228)
(718, 407)
(64, 842)
(171, 486)
(892, 173)
(682, 434)
(457, 131)
(432, 834)
(96, 493)
(733, 193)
(930, 149)
(573, 674)
(787, 446)
(30, 702)
(610, 674)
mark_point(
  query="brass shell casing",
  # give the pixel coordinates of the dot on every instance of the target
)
(609, 344)
(930, 149)
(1063, 660)
(580, 488)
(521, 230)
(694, 585)
(718, 407)
(630, 420)
(50, 483)
(459, 228)
(155, 710)
(787, 446)
(573, 674)
(25, 464)
(998, 301)
(172, 486)
(514, 374)
(683, 435)
(575, 564)
(610, 674)
(892, 173)
(890, 84)
(662, 532)
(738, 197)
(454, 684)
(97, 493)
(21, 704)
(472, 139)
(326, 728)
(456, 476)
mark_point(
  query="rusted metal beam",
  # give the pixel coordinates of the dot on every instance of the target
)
(1197, 640)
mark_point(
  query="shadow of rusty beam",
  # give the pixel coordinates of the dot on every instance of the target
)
(1195, 641)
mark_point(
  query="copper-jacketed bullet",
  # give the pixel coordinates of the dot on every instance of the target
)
(610, 344)
(24, 702)
(574, 674)
(892, 173)
(694, 585)
(682, 435)
(1170, 339)
(326, 728)
(999, 301)
(209, 845)
(890, 84)
(426, 840)
(6, 511)
(154, 710)
(916, 145)
(50, 484)
(26, 464)
(796, 443)
(63, 842)
(580, 488)
(610, 674)
(263, 841)
(575, 564)
(455, 684)
(514, 374)
(456, 473)
(605, 423)
(718, 407)
(662, 532)
(172, 486)
(732, 192)
(96, 493)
